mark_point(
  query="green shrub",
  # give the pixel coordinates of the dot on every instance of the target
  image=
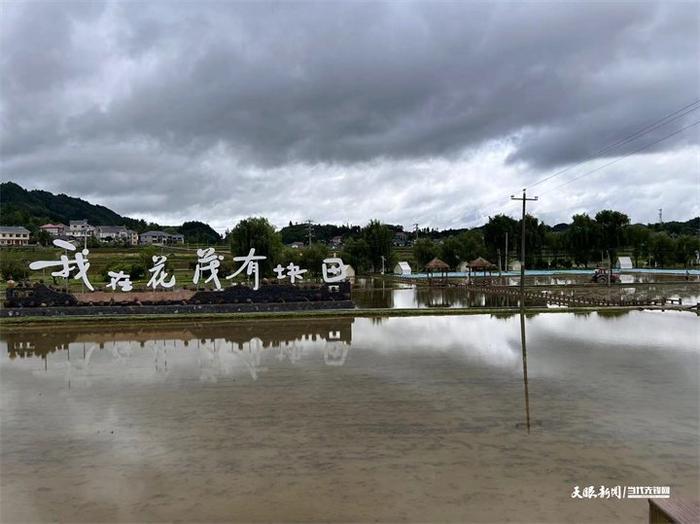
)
(13, 265)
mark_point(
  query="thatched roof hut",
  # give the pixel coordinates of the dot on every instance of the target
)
(437, 265)
(481, 264)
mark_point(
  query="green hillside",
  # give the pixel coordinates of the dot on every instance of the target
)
(33, 208)
(20, 207)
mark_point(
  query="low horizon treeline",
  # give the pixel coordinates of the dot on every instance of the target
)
(371, 248)
(585, 239)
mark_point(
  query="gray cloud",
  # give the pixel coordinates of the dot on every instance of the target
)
(254, 107)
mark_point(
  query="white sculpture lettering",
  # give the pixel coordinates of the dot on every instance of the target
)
(336, 272)
(121, 280)
(251, 265)
(80, 262)
(159, 273)
(209, 261)
(294, 272)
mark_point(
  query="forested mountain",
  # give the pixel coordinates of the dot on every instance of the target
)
(31, 209)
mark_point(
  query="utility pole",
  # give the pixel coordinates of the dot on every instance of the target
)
(506, 251)
(524, 199)
(310, 225)
(415, 227)
(661, 216)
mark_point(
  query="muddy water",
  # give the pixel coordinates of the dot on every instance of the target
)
(401, 419)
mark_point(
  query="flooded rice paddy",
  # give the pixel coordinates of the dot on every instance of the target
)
(394, 294)
(396, 419)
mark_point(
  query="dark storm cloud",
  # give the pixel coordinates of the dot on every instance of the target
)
(158, 94)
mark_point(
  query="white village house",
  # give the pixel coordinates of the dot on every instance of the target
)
(161, 237)
(112, 233)
(55, 230)
(14, 236)
(80, 229)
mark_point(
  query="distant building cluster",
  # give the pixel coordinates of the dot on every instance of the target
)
(400, 239)
(81, 230)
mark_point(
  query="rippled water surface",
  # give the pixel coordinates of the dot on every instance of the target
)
(397, 419)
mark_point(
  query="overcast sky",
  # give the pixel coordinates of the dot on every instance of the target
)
(340, 112)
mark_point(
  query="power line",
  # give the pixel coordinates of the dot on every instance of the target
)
(501, 208)
(671, 117)
(623, 157)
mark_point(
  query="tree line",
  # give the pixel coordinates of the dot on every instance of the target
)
(584, 240)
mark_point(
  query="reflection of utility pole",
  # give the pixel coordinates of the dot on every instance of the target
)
(522, 343)
(382, 264)
(522, 249)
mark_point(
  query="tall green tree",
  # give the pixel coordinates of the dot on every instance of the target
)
(379, 240)
(581, 238)
(611, 225)
(534, 238)
(424, 250)
(356, 253)
(495, 234)
(451, 251)
(258, 233)
(687, 248)
(662, 248)
(638, 240)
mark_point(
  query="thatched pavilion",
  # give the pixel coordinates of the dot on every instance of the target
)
(481, 264)
(439, 267)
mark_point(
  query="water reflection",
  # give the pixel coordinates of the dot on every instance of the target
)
(407, 296)
(380, 293)
(318, 419)
(221, 350)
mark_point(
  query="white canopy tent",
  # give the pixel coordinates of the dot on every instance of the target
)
(402, 268)
(624, 263)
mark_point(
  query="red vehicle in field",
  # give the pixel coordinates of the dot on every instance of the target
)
(602, 274)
